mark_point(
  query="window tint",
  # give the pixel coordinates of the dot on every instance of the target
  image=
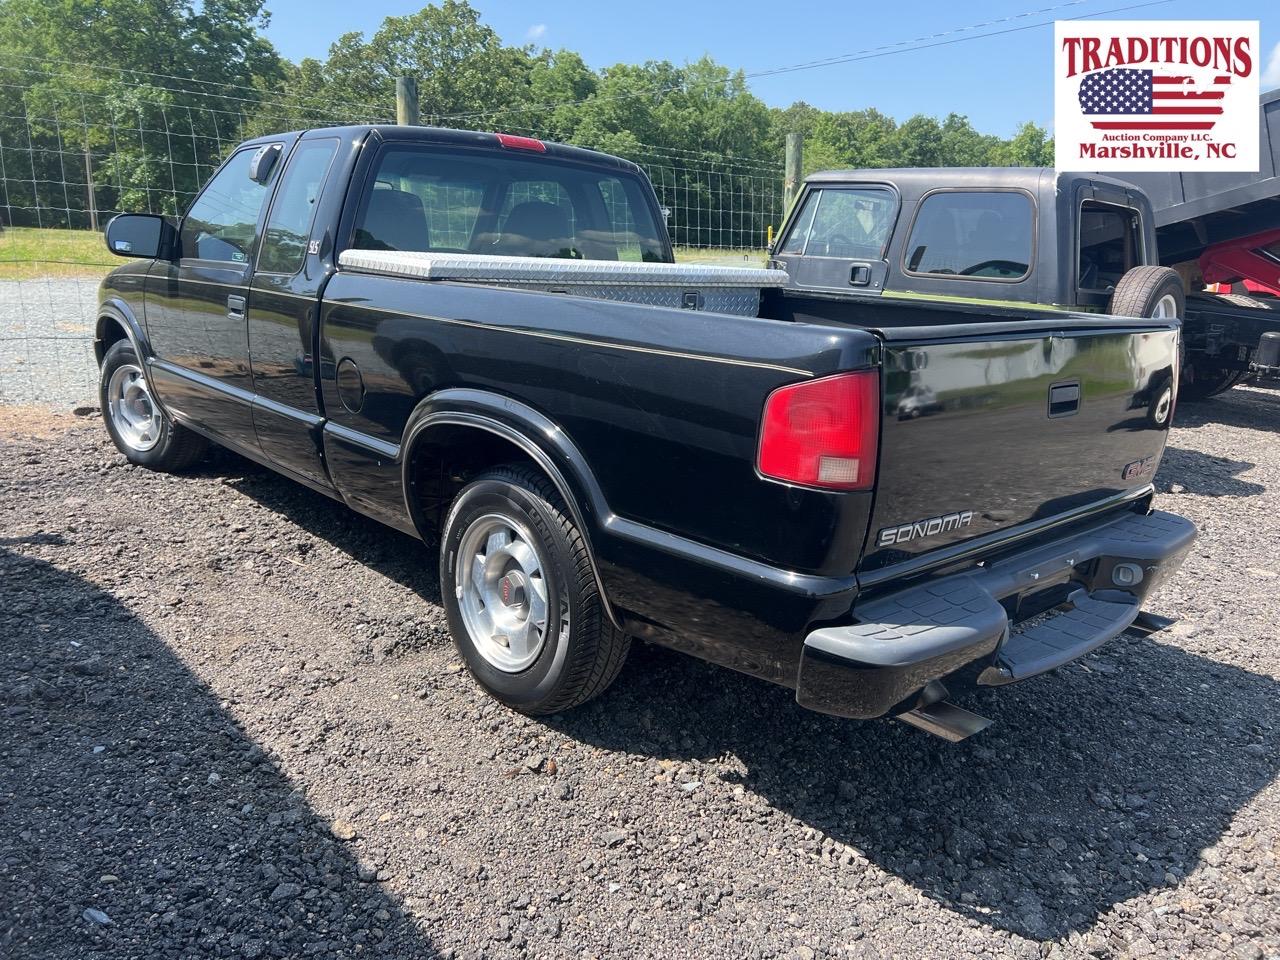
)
(848, 223)
(284, 242)
(1109, 244)
(422, 199)
(220, 225)
(980, 235)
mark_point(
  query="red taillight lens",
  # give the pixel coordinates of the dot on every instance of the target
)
(822, 433)
(512, 142)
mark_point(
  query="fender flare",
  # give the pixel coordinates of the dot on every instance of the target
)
(546, 444)
(115, 310)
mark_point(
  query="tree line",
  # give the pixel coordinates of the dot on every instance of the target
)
(142, 98)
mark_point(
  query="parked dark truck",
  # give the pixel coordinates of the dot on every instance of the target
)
(1033, 238)
(483, 341)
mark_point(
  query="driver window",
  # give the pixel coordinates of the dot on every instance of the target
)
(222, 222)
(980, 236)
(1110, 244)
(850, 224)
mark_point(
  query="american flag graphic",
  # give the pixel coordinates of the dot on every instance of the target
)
(1146, 100)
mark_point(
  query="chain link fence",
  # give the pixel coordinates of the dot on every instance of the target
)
(74, 153)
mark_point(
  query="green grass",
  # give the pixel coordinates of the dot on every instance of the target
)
(29, 252)
(722, 256)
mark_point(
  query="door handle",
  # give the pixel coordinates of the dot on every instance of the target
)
(860, 275)
(235, 307)
(1064, 399)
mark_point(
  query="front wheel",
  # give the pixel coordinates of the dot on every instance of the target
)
(137, 425)
(521, 597)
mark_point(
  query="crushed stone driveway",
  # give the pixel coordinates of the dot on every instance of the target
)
(234, 726)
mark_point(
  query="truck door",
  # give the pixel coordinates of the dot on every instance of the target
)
(836, 240)
(195, 305)
(283, 306)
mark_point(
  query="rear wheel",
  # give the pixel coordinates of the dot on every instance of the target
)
(521, 597)
(137, 425)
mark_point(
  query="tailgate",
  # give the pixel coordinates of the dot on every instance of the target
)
(987, 432)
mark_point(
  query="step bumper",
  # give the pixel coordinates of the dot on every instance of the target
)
(900, 643)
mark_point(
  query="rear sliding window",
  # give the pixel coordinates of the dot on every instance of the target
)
(850, 223)
(424, 198)
(979, 235)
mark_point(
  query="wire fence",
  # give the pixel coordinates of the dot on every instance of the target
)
(74, 152)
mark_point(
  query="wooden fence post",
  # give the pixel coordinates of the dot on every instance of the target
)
(407, 101)
(793, 172)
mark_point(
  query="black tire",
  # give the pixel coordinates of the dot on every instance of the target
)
(1202, 380)
(577, 661)
(1142, 289)
(174, 448)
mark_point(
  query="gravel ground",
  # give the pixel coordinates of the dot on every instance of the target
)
(234, 726)
(46, 340)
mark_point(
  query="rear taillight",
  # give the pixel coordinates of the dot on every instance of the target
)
(512, 142)
(822, 433)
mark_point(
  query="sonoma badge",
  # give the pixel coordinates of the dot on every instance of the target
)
(1156, 95)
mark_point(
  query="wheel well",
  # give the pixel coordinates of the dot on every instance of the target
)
(445, 460)
(110, 332)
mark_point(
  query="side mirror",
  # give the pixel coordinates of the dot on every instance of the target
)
(144, 235)
(263, 161)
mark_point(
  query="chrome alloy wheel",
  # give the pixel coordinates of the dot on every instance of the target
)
(1166, 308)
(133, 412)
(500, 581)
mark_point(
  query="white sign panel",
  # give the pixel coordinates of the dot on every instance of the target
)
(1156, 94)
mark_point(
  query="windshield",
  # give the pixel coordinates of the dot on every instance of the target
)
(424, 198)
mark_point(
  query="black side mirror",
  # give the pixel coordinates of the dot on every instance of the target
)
(263, 161)
(145, 235)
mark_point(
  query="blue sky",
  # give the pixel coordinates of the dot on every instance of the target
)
(997, 81)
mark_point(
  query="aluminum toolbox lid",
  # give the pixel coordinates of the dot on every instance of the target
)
(541, 270)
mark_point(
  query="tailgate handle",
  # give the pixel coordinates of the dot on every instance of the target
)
(1064, 399)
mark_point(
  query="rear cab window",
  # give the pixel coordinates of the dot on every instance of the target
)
(848, 223)
(974, 235)
(430, 198)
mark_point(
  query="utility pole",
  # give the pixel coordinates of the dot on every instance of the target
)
(792, 172)
(407, 101)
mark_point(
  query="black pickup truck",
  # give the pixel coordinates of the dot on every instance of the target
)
(483, 341)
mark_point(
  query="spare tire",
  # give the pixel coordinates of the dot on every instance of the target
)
(1247, 300)
(1154, 292)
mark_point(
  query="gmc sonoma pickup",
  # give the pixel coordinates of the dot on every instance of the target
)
(483, 341)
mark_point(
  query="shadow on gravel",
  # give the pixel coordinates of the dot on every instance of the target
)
(1209, 476)
(395, 555)
(128, 790)
(1094, 785)
(1251, 408)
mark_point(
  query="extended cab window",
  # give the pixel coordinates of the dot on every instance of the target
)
(284, 242)
(1110, 244)
(221, 223)
(425, 199)
(980, 235)
(851, 223)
